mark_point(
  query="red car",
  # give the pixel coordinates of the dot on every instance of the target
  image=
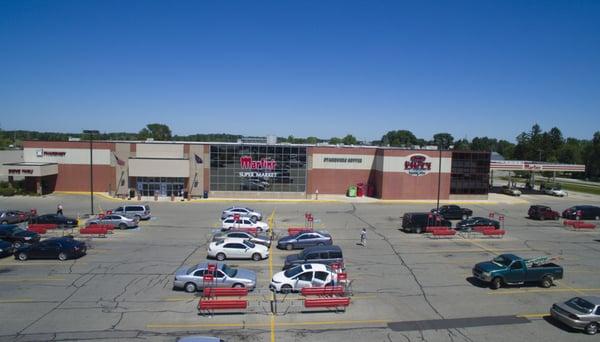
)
(542, 212)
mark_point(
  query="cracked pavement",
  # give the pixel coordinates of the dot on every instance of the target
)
(122, 290)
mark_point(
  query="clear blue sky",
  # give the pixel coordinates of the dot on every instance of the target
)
(322, 68)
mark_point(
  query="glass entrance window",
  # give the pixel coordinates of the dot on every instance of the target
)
(164, 186)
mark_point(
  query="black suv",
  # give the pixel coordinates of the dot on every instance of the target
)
(17, 236)
(417, 222)
(453, 212)
(582, 212)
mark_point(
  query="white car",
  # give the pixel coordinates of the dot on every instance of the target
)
(244, 222)
(305, 275)
(236, 248)
(243, 212)
(556, 192)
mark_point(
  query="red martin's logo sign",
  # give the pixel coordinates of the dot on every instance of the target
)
(417, 165)
(246, 163)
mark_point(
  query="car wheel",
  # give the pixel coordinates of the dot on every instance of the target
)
(62, 256)
(289, 247)
(190, 288)
(542, 218)
(220, 256)
(496, 283)
(547, 281)
(418, 230)
(591, 329)
(464, 217)
(254, 218)
(238, 286)
(17, 244)
(4, 222)
(286, 288)
(556, 218)
(577, 218)
(22, 256)
(138, 217)
(597, 218)
(256, 257)
(122, 226)
(320, 244)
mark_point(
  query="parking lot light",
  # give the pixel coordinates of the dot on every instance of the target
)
(91, 133)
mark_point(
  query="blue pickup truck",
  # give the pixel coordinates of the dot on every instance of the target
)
(509, 269)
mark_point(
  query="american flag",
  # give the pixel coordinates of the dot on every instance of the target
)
(198, 159)
(119, 161)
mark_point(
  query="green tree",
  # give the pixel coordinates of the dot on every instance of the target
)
(462, 145)
(156, 131)
(592, 159)
(401, 138)
(349, 140)
(335, 141)
(443, 139)
(312, 140)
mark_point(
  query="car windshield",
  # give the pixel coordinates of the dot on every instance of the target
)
(581, 305)
(501, 261)
(192, 269)
(231, 272)
(249, 244)
(293, 271)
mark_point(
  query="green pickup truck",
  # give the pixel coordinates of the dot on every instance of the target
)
(510, 269)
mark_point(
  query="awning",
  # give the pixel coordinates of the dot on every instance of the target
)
(29, 169)
(522, 165)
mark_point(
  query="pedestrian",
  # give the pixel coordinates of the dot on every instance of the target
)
(363, 237)
(59, 209)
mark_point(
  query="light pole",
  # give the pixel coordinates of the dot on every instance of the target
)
(91, 133)
(439, 178)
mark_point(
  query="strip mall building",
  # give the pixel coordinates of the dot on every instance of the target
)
(250, 170)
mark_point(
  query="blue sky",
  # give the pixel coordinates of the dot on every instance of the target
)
(321, 68)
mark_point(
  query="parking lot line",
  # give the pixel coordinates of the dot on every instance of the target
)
(272, 318)
(524, 291)
(16, 300)
(536, 315)
(263, 325)
(20, 279)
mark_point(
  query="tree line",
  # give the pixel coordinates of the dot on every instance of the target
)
(533, 145)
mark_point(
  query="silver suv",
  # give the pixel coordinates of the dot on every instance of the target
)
(139, 211)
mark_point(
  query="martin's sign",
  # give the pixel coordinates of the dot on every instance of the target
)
(258, 167)
(417, 165)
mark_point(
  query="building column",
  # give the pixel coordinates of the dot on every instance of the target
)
(38, 185)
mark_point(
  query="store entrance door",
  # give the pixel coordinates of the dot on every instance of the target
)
(163, 186)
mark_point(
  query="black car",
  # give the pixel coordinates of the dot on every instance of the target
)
(6, 249)
(59, 220)
(17, 236)
(453, 212)
(582, 212)
(468, 224)
(417, 222)
(61, 248)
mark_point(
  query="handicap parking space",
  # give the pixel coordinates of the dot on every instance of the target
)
(403, 286)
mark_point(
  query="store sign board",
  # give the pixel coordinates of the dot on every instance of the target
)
(262, 168)
(42, 153)
(20, 171)
(417, 165)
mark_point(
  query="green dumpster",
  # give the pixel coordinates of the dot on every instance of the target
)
(352, 191)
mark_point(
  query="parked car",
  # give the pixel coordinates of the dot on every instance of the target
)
(511, 191)
(260, 239)
(582, 212)
(60, 220)
(468, 224)
(6, 249)
(13, 216)
(190, 279)
(305, 239)
(542, 212)
(301, 276)
(453, 212)
(556, 192)
(326, 255)
(61, 248)
(510, 269)
(139, 211)
(119, 221)
(237, 249)
(417, 222)
(17, 236)
(581, 313)
(243, 212)
(243, 222)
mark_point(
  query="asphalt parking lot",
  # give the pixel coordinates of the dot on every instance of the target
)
(405, 287)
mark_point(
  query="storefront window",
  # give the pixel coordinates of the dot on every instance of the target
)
(470, 173)
(164, 186)
(257, 168)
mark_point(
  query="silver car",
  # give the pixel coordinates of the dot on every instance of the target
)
(119, 221)
(139, 211)
(191, 278)
(260, 239)
(243, 212)
(581, 313)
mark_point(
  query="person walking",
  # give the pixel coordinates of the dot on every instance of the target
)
(363, 237)
(59, 209)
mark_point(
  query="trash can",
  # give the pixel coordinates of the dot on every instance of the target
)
(352, 191)
(360, 189)
(205, 194)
